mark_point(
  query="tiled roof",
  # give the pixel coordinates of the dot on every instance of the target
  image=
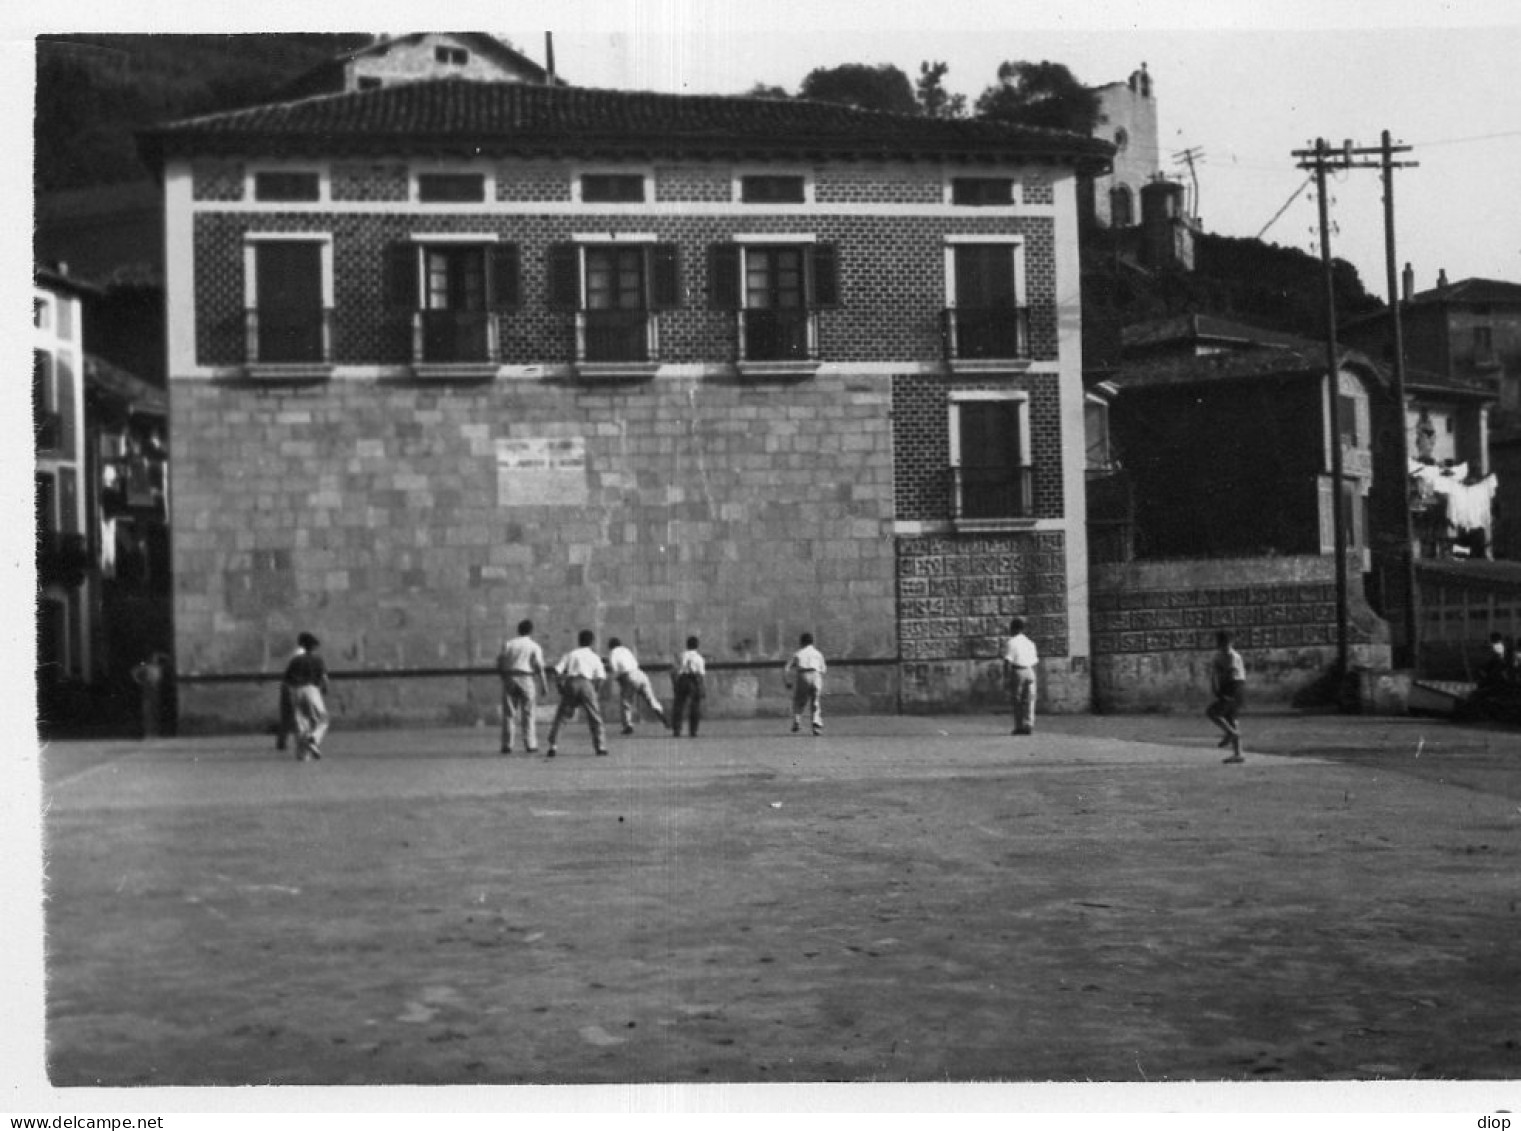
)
(1202, 329)
(111, 382)
(464, 117)
(1250, 363)
(1469, 291)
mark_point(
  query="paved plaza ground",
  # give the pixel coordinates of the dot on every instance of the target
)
(904, 899)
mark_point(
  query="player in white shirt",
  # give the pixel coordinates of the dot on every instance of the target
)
(690, 674)
(581, 676)
(804, 675)
(633, 685)
(1019, 659)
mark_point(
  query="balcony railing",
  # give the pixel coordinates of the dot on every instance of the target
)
(448, 337)
(980, 494)
(615, 336)
(987, 332)
(778, 335)
(289, 337)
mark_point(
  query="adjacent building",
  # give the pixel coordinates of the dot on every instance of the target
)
(1212, 490)
(447, 354)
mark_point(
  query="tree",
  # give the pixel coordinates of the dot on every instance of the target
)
(883, 87)
(934, 100)
(1040, 94)
(762, 90)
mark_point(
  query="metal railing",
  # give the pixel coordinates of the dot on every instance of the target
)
(283, 337)
(452, 336)
(986, 332)
(615, 335)
(789, 334)
(991, 493)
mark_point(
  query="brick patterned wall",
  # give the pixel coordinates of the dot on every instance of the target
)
(875, 186)
(956, 594)
(892, 283)
(217, 180)
(922, 444)
(1038, 190)
(529, 181)
(372, 515)
(694, 183)
(1154, 625)
(373, 180)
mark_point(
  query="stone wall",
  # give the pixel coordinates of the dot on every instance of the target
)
(411, 526)
(956, 595)
(1154, 626)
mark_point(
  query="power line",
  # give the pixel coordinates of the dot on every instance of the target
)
(1292, 197)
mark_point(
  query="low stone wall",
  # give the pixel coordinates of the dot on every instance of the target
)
(1154, 626)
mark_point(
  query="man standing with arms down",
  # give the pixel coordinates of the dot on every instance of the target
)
(581, 677)
(521, 666)
(306, 676)
(1019, 659)
(804, 676)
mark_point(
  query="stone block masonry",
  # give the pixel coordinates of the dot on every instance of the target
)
(1154, 626)
(411, 526)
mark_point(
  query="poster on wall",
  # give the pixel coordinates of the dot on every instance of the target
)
(541, 471)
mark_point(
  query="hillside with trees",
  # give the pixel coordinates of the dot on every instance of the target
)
(93, 92)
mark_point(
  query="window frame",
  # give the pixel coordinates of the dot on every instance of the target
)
(660, 291)
(416, 177)
(254, 173)
(498, 296)
(451, 55)
(803, 176)
(1016, 245)
(256, 367)
(958, 400)
(735, 293)
(646, 179)
(952, 183)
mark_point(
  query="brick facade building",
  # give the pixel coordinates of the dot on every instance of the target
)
(444, 355)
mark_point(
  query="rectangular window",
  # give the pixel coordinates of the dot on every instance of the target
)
(65, 308)
(615, 289)
(451, 188)
(369, 82)
(451, 290)
(452, 56)
(46, 425)
(454, 316)
(293, 186)
(612, 188)
(288, 322)
(987, 318)
(42, 314)
(769, 188)
(990, 467)
(1483, 341)
(982, 192)
(1346, 419)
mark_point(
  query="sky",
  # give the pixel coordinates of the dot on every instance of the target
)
(1243, 84)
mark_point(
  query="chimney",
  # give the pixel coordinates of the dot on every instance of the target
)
(549, 58)
(1407, 283)
(1442, 277)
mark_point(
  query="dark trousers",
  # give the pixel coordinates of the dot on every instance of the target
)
(689, 696)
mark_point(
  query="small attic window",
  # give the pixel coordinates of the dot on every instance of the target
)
(453, 56)
(369, 82)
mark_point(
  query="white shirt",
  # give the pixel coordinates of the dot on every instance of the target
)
(691, 663)
(1019, 651)
(582, 663)
(621, 661)
(807, 659)
(521, 656)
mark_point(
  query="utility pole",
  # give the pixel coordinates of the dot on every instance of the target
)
(1407, 550)
(1318, 159)
(1188, 157)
